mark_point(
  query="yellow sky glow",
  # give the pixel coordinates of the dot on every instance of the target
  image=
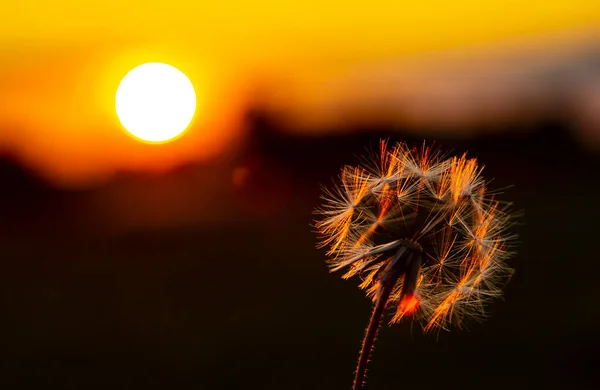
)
(61, 61)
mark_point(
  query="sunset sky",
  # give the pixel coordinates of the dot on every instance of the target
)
(61, 62)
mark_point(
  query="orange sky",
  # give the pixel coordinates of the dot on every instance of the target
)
(61, 61)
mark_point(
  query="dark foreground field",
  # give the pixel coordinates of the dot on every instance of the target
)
(107, 288)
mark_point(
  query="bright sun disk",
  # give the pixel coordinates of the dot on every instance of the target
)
(155, 102)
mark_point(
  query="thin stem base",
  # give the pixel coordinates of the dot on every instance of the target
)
(371, 334)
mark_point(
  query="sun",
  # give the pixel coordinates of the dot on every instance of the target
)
(155, 102)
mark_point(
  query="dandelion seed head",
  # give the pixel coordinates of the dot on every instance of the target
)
(437, 209)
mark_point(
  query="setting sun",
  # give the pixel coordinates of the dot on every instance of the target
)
(155, 102)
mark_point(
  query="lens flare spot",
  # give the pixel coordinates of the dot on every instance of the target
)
(261, 187)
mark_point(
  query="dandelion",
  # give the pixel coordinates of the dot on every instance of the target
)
(424, 235)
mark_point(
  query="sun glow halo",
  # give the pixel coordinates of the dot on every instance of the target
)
(155, 102)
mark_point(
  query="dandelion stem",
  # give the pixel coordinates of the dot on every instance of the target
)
(371, 333)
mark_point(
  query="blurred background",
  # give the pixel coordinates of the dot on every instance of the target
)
(193, 263)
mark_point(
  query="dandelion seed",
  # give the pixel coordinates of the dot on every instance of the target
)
(424, 235)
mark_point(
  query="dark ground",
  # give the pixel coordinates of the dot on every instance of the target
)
(229, 299)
